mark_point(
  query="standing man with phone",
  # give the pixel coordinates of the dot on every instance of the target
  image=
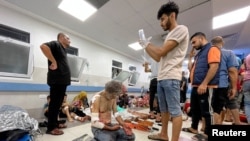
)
(170, 57)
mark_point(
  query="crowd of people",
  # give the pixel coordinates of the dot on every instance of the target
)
(214, 71)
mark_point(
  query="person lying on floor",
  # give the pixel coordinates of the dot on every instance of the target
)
(128, 114)
(68, 112)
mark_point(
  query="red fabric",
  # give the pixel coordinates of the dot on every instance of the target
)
(243, 118)
(186, 106)
(240, 81)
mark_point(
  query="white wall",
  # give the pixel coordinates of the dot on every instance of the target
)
(99, 57)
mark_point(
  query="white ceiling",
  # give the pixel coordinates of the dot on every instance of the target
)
(116, 24)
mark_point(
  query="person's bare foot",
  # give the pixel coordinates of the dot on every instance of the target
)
(158, 119)
(70, 120)
(82, 119)
(157, 137)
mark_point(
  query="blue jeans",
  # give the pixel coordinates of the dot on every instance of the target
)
(246, 92)
(107, 135)
(168, 91)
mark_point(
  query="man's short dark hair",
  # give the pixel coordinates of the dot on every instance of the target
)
(59, 35)
(201, 34)
(217, 40)
(167, 9)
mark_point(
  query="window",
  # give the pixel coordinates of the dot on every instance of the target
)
(132, 80)
(76, 65)
(16, 58)
(72, 50)
(14, 33)
(116, 68)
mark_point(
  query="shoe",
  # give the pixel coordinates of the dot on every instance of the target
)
(56, 131)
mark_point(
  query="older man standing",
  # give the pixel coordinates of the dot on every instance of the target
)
(58, 78)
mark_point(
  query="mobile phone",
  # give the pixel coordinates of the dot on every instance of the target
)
(141, 34)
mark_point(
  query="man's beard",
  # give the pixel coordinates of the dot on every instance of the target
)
(168, 24)
(199, 47)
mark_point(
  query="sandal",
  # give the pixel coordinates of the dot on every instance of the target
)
(56, 131)
(200, 137)
(188, 130)
(156, 137)
(62, 126)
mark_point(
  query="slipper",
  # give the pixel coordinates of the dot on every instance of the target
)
(200, 137)
(56, 131)
(156, 137)
(188, 130)
(62, 126)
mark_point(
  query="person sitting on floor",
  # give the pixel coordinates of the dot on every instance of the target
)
(80, 104)
(103, 106)
(123, 99)
(61, 123)
(68, 112)
(46, 107)
(81, 100)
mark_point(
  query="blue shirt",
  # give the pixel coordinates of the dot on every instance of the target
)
(228, 60)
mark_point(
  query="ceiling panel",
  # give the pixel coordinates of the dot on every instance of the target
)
(116, 23)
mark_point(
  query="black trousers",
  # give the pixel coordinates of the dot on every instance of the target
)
(152, 93)
(183, 96)
(200, 107)
(57, 93)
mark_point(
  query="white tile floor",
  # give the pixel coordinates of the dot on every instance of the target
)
(77, 131)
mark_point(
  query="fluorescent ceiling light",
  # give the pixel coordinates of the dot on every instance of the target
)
(230, 18)
(77, 8)
(135, 46)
